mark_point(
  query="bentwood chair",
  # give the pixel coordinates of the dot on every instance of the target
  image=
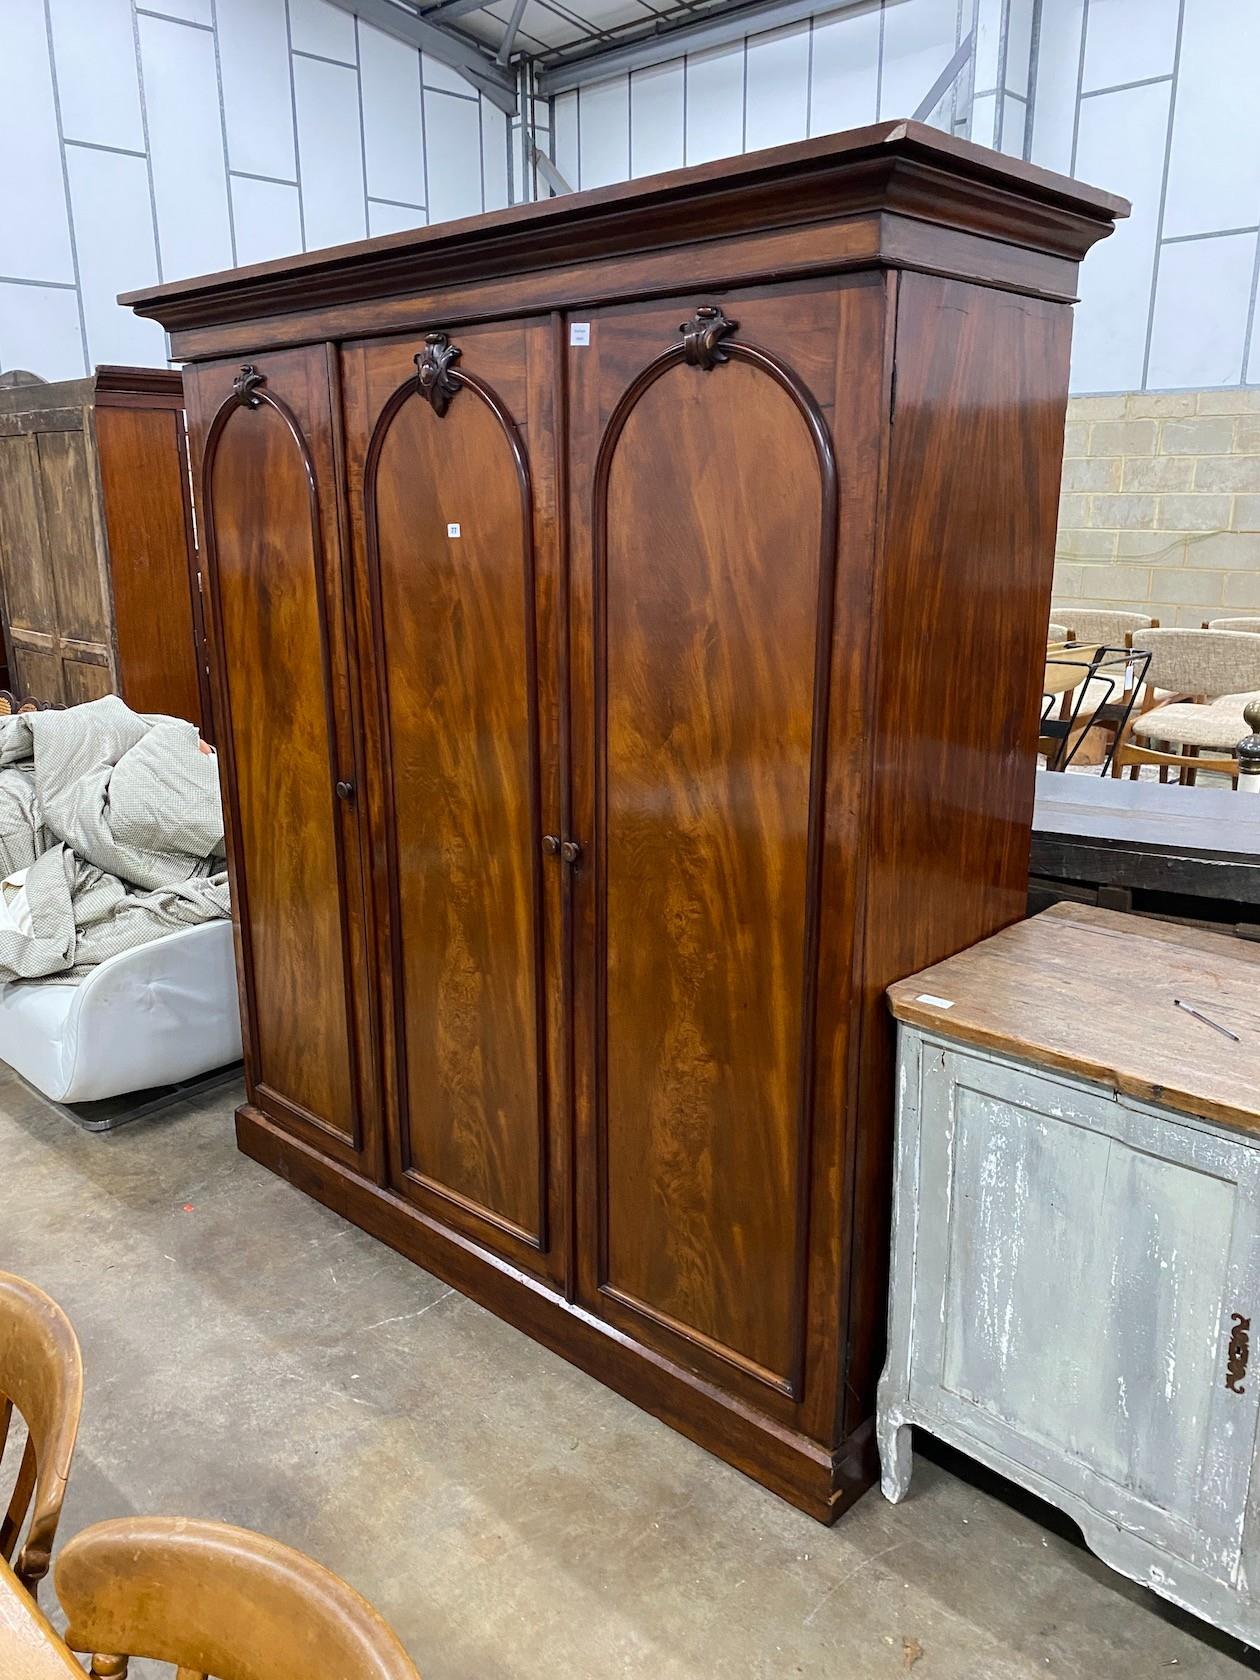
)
(41, 1379)
(1205, 678)
(216, 1601)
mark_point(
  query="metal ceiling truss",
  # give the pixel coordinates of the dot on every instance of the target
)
(490, 41)
(460, 51)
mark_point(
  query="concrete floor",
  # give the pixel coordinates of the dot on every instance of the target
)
(251, 1357)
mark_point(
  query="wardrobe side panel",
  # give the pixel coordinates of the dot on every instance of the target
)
(964, 598)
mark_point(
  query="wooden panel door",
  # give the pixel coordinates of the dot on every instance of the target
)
(282, 661)
(707, 484)
(451, 454)
(34, 655)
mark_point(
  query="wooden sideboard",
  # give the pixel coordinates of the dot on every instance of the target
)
(1076, 1257)
(96, 543)
(627, 615)
(1192, 853)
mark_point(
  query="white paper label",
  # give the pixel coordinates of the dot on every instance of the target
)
(1128, 677)
(579, 332)
(937, 1003)
(453, 531)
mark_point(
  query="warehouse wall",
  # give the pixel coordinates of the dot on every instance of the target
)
(1161, 505)
(1155, 99)
(146, 142)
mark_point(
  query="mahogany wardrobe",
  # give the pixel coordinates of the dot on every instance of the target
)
(627, 617)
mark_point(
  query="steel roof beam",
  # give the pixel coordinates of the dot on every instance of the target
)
(669, 43)
(498, 84)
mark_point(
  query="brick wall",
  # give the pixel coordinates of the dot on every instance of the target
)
(1160, 510)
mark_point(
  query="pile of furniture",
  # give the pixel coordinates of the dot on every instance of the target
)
(1178, 695)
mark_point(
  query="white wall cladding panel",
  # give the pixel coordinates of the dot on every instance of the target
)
(320, 27)
(268, 219)
(392, 218)
(844, 85)
(186, 136)
(1019, 35)
(113, 226)
(330, 152)
(984, 119)
(1129, 40)
(715, 104)
(1252, 374)
(34, 226)
(566, 138)
(919, 41)
(1058, 62)
(393, 139)
(257, 94)
(1121, 143)
(777, 88)
(439, 75)
(39, 331)
(1214, 168)
(192, 11)
(95, 52)
(494, 156)
(1014, 125)
(657, 141)
(604, 109)
(453, 136)
(1202, 303)
(988, 26)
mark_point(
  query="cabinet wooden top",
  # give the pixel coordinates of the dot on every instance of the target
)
(1091, 992)
(887, 173)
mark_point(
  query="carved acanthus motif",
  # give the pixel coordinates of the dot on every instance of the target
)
(703, 335)
(245, 385)
(435, 371)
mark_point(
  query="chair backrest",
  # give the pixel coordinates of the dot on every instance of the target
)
(1107, 628)
(214, 1600)
(41, 1378)
(1057, 632)
(1233, 624)
(1207, 662)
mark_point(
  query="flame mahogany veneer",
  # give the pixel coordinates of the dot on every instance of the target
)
(609, 716)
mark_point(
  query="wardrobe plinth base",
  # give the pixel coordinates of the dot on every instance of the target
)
(818, 1481)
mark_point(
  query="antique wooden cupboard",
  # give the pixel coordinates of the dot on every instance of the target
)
(626, 617)
(96, 542)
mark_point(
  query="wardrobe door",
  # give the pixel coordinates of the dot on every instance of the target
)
(281, 659)
(451, 449)
(714, 655)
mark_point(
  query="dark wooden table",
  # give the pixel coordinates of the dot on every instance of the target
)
(1188, 852)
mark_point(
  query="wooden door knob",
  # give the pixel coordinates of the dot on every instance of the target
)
(345, 790)
(551, 844)
(570, 851)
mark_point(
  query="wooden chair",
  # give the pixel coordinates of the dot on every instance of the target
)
(214, 1600)
(1200, 682)
(41, 1378)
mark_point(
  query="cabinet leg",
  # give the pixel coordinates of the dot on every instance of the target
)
(893, 1437)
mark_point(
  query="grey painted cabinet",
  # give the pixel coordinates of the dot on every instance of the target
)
(1075, 1276)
